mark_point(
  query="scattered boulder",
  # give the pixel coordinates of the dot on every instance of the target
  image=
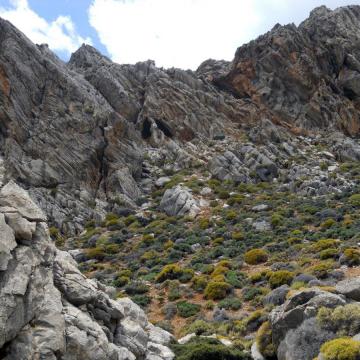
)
(179, 201)
(277, 296)
(228, 167)
(349, 288)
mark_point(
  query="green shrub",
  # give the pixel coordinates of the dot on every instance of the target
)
(235, 199)
(251, 293)
(218, 241)
(199, 327)
(199, 282)
(231, 215)
(141, 300)
(255, 256)
(187, 275)
(169, 272)
(325, 244)
(341, 349)
(216, 290)
(237, 235)
(276, 219)
(121, 281)
(322, 269)
(351, 257)
(343, 320)
(328, 223)
(281, 277)
(235, 278)
(328, 254)
(354, 200)
(204, 223)
(148, 239)
(186, 309)
(97, 253)
(174, 291)
(207, 349)
(264, 341)
(129, 220)
(137, 288)
(231, 303)
(223, 194)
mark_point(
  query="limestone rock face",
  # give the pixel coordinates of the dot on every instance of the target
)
(290, 70)
(49, 310)
(76, 135)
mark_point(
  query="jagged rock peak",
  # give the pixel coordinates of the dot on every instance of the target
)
(305, 76)
(86, 56)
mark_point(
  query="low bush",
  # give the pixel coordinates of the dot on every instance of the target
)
(255, 256)
(351, 257)
(199, 283)
(322, 269)
(277, 220)
(186, 309)
(341, 349)
(354, 200)
(199, 327)
(328, 254)
(208, 349)
(97, 253)
(264, 341)
(231, 303)
(343, 320)
(141, 299)
(324, 244)
(121, 281)
(136, 288)
(237, 235)
(251, 293)
(169, 272)
(216, 290)
(281, 277)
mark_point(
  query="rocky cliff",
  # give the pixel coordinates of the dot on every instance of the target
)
(76, 134)
(49, 310)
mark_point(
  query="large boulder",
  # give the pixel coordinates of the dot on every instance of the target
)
(276, 296)
(349, 288)
(294, 331)
(179, 201)
(228, 167)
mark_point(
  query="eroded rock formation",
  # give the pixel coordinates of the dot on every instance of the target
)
(49, 310)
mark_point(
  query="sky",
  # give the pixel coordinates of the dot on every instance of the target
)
(173, 33)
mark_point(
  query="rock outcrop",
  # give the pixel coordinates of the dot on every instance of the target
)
(296, 332)
(305, 76)
(49, 310)
(179, 201)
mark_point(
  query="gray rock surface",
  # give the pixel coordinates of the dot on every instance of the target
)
(49, 310)
(179, 201)
(277, 296)
(349, 288)
(295, 333)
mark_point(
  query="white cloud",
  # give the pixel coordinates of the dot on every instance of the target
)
(59, 34)
(180, 33)
(183, 33)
